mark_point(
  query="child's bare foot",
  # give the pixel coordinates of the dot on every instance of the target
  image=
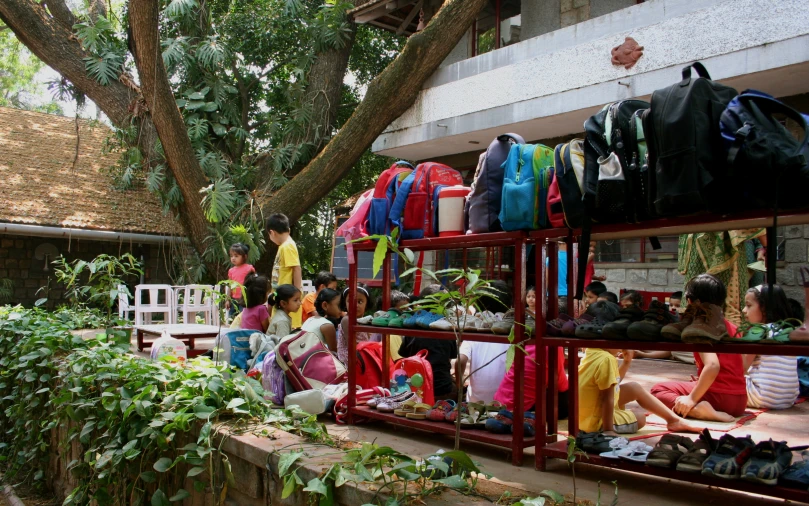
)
(704, 411)
(681, 425)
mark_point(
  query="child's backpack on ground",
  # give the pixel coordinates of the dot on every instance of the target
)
(765, 162)
(273, 379)
(237, 348)
(369, 364)
(565, 205)
(307, 362)
(384, 194)
(417, 373)
(686, 154)
(412, 209)
(483, 205)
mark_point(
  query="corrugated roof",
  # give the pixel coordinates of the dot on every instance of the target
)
(39, 186)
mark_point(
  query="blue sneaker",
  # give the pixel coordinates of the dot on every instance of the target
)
(501, 423)
(427, 318)
(730, 455)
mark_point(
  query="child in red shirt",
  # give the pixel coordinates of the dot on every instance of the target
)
(720, 391)
(238, 273)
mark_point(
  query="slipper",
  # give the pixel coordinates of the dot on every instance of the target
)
(748, 333)
(616, 446)
(420, 411)
(781, 330)
(471, 419)
(668, 451)
(410, 321)
(408, 406)
(426, 318)
(398, 321)
(636, 456)
(453, 415)
(440, 410)
(383, 320)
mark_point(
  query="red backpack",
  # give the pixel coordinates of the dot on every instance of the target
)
(385, 191)
(412, 210)
(369, 365)
(405, 369)
(556, 213)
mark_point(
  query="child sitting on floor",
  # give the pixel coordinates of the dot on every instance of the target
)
(364, 305)
(603, 400)
(285, 299)
(720, 393)
(255, 315)
(631, 298)
(324, 279)
(593, 291)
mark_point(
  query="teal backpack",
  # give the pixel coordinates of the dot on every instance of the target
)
(528, 170)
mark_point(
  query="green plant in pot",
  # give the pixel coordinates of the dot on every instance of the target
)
(100, 282)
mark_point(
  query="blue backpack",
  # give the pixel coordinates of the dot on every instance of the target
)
(239, 340)
(385, 191)
(519, 209)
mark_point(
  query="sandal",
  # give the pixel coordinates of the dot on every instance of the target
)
(440, 410)
(501, 423)
(667, 452)
(383, 319)
(749, 333)
(453, 415)
(471, 419)
(693, 459)
(408, 406)
(617, 445)
(796, 475)
(420, 411)
(781, 330)
(594, 442)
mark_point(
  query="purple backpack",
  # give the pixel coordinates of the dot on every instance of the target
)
(273, 379)
(482, 211)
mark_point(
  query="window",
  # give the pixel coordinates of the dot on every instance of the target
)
(497, 26)
(637, 250)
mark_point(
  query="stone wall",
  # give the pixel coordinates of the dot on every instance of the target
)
(31, 281)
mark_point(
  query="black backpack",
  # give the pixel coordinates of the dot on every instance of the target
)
(568, 161)
(686, 152)
(615, 186)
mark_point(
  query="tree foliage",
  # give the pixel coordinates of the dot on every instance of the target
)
(18, 68)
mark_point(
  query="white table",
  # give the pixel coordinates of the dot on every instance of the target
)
(185, 332)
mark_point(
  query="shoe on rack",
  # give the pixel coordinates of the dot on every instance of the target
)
(504, 326)
(398, 321)
(626, 317)
(669, 450)
(654, 319)
(797, 475)
(603, 312)
(569, 327)
(426, 318)
(708, 325)
(439, 411)
(485, 319)
(501, 423)
(768, 461)
(673, 331)
(377, 399)
(441, 324)
(365, 320)
(554, 327)
(393, 403)
(382, 318)
(730, 455)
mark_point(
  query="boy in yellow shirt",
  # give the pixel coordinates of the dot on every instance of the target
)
(603, 399)
(287, 267)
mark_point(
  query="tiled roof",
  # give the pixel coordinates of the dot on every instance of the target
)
(39, 186)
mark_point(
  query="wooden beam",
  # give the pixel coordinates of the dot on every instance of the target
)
(415, 10)
(379, 10)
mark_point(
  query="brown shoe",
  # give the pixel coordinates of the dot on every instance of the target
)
(673, 331)
(708, 325)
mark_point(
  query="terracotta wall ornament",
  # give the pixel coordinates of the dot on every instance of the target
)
(627, 54)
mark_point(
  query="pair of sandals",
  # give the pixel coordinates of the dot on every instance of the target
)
(681, 453)
(780, 332)
(630, 451)
(413, 409)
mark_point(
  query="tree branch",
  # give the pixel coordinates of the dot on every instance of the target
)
(61, 12)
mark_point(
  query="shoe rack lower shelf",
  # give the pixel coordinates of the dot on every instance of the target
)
(559, 450)
(479, 435)
(792, 350)
(436, 334)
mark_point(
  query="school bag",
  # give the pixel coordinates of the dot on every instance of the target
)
(384, 194)
(369, 364)
(565, 205)
(405, 371)
(235, 346)
(412, 208)
(614, 186)
(767, 166)
(543, 172)
(686, 154)
(273, 379)
(482, 211)
(307, 362)
(519, 189)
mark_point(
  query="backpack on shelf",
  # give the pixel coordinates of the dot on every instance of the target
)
(412, 209)
(414, 373)
(765, 162)
(614, 186)
(369, 364)
(565, 205)
(384, 194)
(307, 363)
(356, 226)
(525, 187)
(482, 211)
(686, 154)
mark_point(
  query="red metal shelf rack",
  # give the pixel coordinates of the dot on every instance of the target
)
(516, 442)
(546, 404)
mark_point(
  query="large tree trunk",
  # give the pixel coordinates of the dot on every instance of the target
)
(168, 120)
(388, 97)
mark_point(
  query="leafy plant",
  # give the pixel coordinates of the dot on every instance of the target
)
(6, 290)
(106, 279)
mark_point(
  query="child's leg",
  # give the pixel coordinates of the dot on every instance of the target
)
(668, 391)
(634, 392)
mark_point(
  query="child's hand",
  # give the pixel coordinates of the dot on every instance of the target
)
(627, 355)
(683, 405)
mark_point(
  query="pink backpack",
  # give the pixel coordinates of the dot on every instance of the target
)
(356, 226)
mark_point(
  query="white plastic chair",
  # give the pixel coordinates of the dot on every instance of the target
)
(307, 287)
(196, 300)
(124, 306)
(153, 305)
